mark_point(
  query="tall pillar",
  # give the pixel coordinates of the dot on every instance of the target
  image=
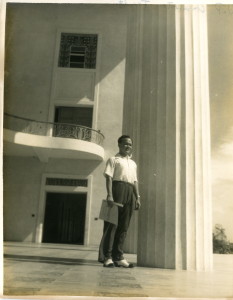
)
(167, 113)
(2, 49)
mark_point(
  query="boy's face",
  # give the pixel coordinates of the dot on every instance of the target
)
(125, 147)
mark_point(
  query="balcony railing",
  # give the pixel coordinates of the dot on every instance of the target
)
(62, 130)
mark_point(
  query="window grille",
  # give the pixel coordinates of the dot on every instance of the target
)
(78, 51)
(66, 182)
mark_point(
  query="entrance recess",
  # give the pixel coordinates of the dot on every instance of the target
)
(64, 220)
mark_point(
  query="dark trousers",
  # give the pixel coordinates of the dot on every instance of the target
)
(111, 245)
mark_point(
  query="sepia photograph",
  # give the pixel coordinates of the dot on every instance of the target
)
(117, 152)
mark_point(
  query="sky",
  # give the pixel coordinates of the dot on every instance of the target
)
(220, 32)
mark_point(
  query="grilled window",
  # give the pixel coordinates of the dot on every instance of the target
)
(78, 51)
(66, 182)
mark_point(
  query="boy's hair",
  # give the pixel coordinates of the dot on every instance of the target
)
(123, 137)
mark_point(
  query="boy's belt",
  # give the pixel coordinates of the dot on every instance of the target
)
(118, 181)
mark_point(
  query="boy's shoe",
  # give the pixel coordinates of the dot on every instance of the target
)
(123, 263)
(109, 263)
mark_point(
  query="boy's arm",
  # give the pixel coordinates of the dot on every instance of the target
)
(136, 193)
(109, 188)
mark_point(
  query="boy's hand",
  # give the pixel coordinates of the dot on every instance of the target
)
(110, 200)
(137, 204)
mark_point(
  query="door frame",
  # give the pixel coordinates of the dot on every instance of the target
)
(62, 189)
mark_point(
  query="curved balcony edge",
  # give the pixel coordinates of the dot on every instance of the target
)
(45, 147)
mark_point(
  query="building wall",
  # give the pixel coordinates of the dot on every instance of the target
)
(30, 56)
(31, 41)
(22, 193)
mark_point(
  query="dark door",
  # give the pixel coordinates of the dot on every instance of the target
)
(64, 220)
(74, 115)
(65, 117)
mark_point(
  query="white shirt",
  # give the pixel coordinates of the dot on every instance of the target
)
(121, 168)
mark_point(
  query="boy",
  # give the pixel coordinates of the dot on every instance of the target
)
(122, 187)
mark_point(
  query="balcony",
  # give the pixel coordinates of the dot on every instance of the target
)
(26, 137)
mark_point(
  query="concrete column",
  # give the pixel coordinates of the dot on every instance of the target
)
(167, 113)
(132, 101)
(2, 56)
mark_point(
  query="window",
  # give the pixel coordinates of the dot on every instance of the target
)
(77, 57)
(66, 182)
(78, 51)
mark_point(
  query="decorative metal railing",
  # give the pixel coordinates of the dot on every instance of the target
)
(62, 130)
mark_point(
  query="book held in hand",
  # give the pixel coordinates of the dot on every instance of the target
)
(109, 213)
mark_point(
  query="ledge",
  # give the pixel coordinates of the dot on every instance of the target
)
(45, 147)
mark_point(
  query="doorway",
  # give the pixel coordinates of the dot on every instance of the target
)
(79, 117)
(64, 221)
(74, 115)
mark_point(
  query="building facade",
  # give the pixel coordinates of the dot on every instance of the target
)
(43, 85)
(76, 73)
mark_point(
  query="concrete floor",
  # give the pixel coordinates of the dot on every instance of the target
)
(52, 269)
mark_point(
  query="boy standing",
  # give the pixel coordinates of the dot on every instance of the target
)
(122, 187)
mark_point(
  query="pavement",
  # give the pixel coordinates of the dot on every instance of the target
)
(71, 270)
